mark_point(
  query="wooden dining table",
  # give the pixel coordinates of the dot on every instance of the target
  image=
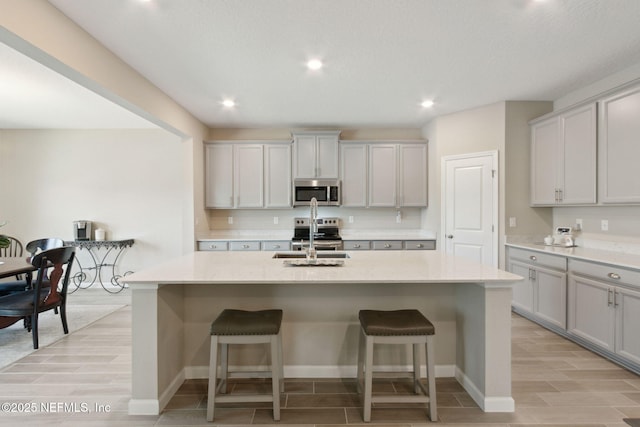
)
(13, 266)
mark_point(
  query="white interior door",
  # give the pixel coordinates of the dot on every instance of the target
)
(470, 206)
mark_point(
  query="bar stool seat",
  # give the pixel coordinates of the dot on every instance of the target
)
(245, 327)
(396, 327)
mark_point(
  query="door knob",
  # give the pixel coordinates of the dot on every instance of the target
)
(449, 236)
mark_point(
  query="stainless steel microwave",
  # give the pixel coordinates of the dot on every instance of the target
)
(326, 192)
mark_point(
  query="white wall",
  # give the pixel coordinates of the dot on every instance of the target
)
(129, 182)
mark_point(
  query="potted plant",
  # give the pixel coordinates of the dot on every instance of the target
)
(4, 240)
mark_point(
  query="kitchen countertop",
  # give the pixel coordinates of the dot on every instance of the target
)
(346, 234)
(621, 259)
(389, 267)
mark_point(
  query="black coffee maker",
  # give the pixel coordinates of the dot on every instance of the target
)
(82, 230)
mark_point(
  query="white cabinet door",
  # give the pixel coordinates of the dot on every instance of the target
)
(523, 290)
(590, 311)
(277, 160)
(248, 176)
(327, 156)
(620, 147)
(316, 154)
(563, 158)
(627, 304)
(577, 176)
(382, 176)
(219, 176)
(413, 175)
(305, 156)
(353, 174)
(544, 161)
(551, 296)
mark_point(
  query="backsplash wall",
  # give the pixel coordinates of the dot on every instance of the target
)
(363, 219)
(623, 221)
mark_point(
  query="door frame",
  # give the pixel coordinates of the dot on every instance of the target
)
(495, 193)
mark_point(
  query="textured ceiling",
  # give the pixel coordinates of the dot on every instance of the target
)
(382, 57)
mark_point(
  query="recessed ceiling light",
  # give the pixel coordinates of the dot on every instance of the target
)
(427, 104)
(229, 103)
(314, 64)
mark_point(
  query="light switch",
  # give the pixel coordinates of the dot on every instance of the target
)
(512, 221)
(230, 220)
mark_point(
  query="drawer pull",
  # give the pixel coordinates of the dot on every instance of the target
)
(357, 246)
(245, 246)
(212, 246)
(387, 245)
(533, 258)
(615, 276)
(419, 245)
(276, 246)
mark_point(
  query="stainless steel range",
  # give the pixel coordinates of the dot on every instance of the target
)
(327, 238)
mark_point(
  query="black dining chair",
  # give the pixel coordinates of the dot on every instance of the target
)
(33, 247)
(30, 303)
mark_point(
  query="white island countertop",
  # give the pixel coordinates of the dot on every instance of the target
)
(362, 267)
(174, 303)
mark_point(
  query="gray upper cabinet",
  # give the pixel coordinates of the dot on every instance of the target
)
(315, 154)
(248, 175)
(620, 147)
(563, 158)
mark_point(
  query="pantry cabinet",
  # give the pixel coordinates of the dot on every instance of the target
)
(563, 158)
(620, 147)
(246, 175)
(315, 154)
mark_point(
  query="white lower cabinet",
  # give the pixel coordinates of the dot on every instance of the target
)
(603, 310)
(543, 293)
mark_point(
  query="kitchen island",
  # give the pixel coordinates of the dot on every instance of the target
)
(174, 304)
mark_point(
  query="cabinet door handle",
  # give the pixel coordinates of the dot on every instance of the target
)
(615, 276)
(609, 297)
(556, 197)
(615, 298)
(560, 194)
(449, 236)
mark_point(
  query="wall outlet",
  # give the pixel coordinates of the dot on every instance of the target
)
(276, 220)
(350, 219)
(578, 226)
(512, 221)
(230, 219)
(604, 225)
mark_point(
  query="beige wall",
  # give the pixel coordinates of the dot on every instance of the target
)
(125, 181)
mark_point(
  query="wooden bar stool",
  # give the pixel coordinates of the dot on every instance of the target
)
(397, 327)
(245, 327)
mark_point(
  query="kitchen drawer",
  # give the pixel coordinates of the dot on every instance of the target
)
(357, 245)
(557, 262)
(245, 246)
(606, 272)
(279, 245)
(209, 245)
(419, 244)
(388, 245)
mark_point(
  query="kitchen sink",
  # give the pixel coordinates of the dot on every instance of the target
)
(319, 255)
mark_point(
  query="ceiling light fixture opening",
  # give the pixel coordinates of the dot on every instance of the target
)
(314, 64)
(229, 103)
(427, 104)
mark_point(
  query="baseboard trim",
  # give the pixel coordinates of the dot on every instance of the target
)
(487, 404)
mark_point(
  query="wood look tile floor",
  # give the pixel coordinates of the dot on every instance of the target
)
(85, 380)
